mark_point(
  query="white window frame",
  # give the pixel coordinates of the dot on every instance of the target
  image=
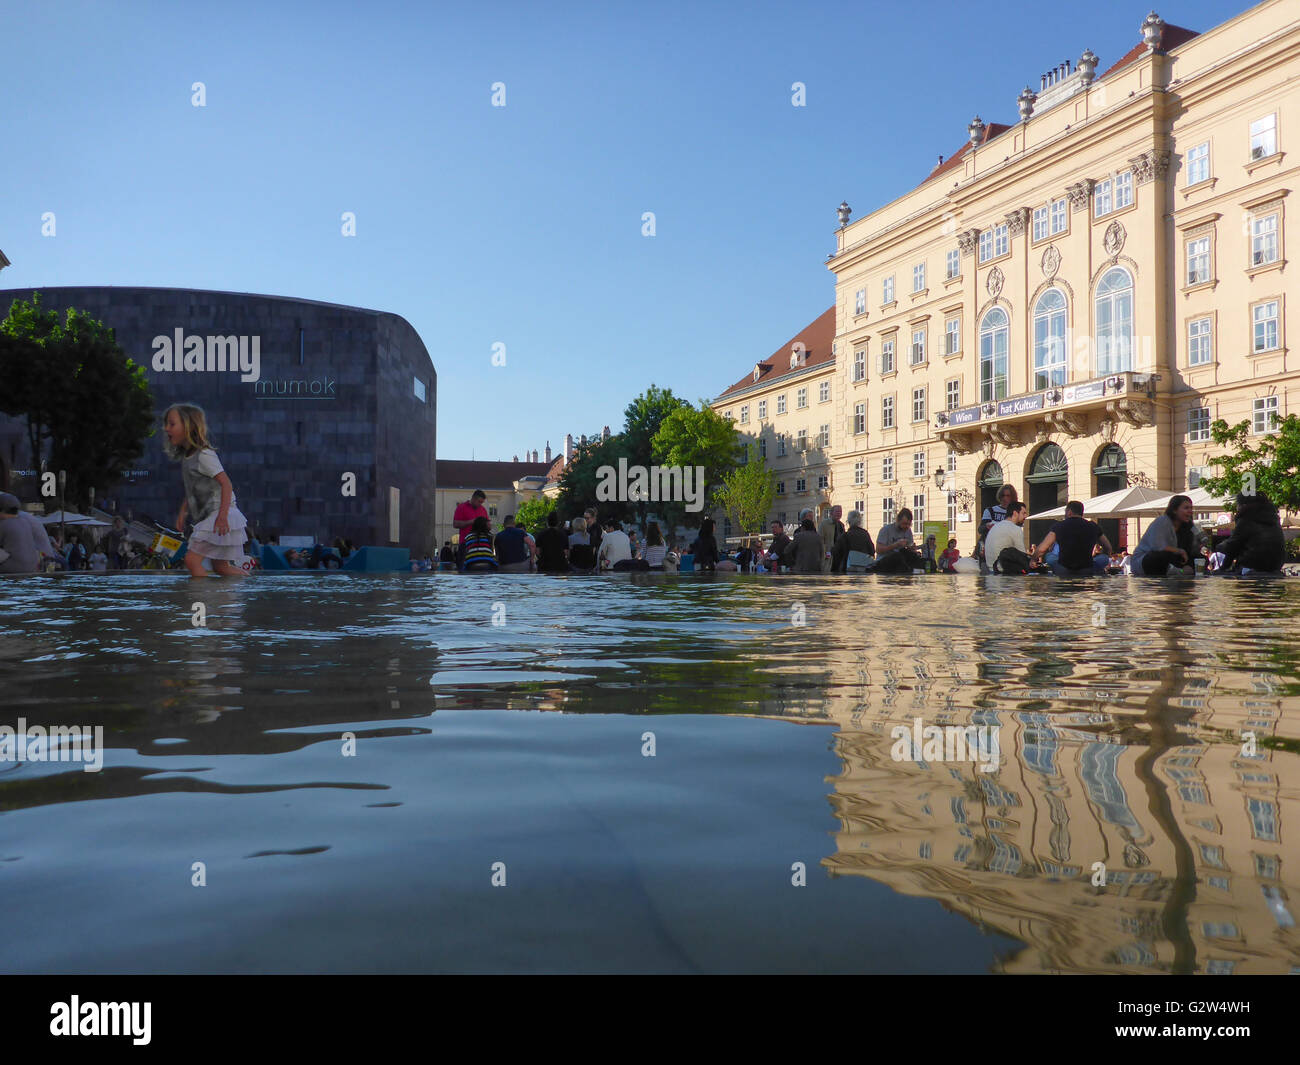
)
(824, 392)
(1260, 410)
(1200, 341)
(1060, 216)
(1198, 164)
(1260, 242)
(994, 384)
(952, 336)
(1198, 259)
(887, 290)
(918, 277)
(1001, 239)
(859, 419)
(1115, 349)
(887, 511)
(953, 263)
(780, 445)
(1123, 189)
(918, 346)
(1101, 198)
(744, 415)
(1263, 137)
(918, 404)
(953, 393)
(1257, 320)
(801, 440)
(823, 482)
(800, 485)
(985, 245)
(860, 301)
(1198, 424)
(780, 403)
(919, 464)
(887, 363)
(918, 510)
(1041, 222)
(887, 468)
(887, 412)
(860, 472)
(824, 437)
(801, 398)
(762, 409)
(860, 364)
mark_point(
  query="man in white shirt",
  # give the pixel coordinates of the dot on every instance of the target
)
(1006, 533)
(615, 547)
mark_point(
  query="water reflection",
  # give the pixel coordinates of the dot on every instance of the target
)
(1120, 707)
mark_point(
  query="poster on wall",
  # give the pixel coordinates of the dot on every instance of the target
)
(937, 529)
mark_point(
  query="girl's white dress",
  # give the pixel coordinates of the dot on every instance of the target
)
(203, 495)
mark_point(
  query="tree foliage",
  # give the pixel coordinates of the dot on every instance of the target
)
(691, 437)
(78, 392)
(532, 513)
(747, 493)
(1274, 461)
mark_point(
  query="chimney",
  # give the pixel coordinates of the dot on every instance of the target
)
(534, 454)
(568, 448)
(514, 458)
(940, 162)
(548, 451)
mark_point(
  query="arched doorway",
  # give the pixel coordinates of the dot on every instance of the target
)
(1111, 472)
(1049, 487)
(990, 480)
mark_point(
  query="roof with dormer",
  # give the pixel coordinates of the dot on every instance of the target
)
(817, 339)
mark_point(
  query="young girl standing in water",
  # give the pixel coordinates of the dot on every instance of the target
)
(209, 495)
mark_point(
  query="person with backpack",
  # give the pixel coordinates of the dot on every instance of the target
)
(1005, 543)
(854, 550)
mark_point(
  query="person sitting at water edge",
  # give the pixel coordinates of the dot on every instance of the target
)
(854, 550)
(895, 552)
(582, 558)
(552, 547)
(477, 554)
(18, 552)
(1077, 537)
(1168, 541)
(655, 549)
(513, 554)
(705, 547)
(1005, 543)
(806, 550)
(1257, 544)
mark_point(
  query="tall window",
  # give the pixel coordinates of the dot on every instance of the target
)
(823, 482)
(1114, 314)
(952, 515)
(1265, 415)
(952, 334)
(801, 440)
(1200, 346)
(1198, 260)
(762, 447)
(986, 245)
(1263, 240)
(801, 398)
(1040, 222)
(918, 346)
(994, 331)
(859, 366)
(824, 392)
(954, 394)
(1123, 189)
(918, 464)
(887, 290)
(1049, 340)
(918, 277)
(918, 510)
(860, 472)
(887, 511)
(954, 264)
(1198, 424)
(744, 415)
(918, 404)
(1198, 164)
(1101, 199)
(860, 301)
(824, 437)
(1263, 137)
(800, 485)
(762, 409)
(780, 403)
(859, 419)
(1266, 323)
(780, 445)
(887, 468)
(1059, 216)
(887, 356)
(887, 412)
(1001, 239)
(420, 392)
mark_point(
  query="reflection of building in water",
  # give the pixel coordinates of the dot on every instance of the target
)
(1014, 849)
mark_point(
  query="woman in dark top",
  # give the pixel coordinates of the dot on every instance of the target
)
(552, 547)
(705, 548)
(1256, 543)
(855, 538)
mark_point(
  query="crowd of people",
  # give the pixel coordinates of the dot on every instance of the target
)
(1075, 545)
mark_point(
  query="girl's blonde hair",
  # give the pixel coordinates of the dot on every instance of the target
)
(578, 525)
(195, 423)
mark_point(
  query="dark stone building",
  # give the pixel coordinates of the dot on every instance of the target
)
(338, 390)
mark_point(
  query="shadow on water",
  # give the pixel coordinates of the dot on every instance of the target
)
(1127, 827)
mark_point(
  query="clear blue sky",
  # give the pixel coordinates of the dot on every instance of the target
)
(519, 225)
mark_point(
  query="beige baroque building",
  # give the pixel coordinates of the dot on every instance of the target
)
(1067, 303)
(506, 485)
(785, 405)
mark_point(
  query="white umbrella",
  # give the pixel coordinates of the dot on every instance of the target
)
(1202, 500)
(69, 518)
(1111, 504)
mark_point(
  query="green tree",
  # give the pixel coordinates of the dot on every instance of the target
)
(532, 513)
(78, 392)
(579, 480)
(747, 493)
(1274, 461)
(691, 437)
(642, 420)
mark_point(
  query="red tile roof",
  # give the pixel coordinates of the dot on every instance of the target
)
(1169, 40)
(501, 476)
(816, 338)
(993, 129)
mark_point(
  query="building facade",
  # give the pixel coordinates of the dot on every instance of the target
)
(338, 391)
(1067, 303)
(785, 408)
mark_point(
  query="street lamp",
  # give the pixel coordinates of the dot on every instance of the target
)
(939, 477)
(1111, 458)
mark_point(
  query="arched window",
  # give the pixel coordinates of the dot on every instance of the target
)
(1049, 340)
(994, 331)
(1114, 306)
